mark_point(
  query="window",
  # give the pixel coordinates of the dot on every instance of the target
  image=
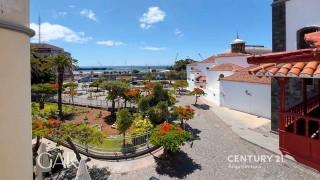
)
(301, 43)
(221, 76)
(207, 68)
(191, 68)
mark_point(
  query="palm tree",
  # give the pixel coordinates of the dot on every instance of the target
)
(61, 63)
(115, 90)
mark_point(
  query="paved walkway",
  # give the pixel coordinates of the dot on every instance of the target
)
(243, 125)
(213, 155)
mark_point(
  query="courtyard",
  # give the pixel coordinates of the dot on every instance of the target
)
(210, 157)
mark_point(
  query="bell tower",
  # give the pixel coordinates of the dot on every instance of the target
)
(238, 45)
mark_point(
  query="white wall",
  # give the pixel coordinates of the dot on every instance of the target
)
(233, 95)
(238, 60)
(203, 67)
(300, 14)
(213, 76)
(213, 95)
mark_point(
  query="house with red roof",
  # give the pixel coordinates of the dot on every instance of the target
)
(225, 80)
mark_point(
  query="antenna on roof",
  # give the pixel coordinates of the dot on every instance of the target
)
(39, 34)
(237, 34)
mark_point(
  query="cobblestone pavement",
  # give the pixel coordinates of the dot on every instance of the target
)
(215, 143)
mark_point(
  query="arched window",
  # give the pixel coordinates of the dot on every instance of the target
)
(301, 43)
(221, 76)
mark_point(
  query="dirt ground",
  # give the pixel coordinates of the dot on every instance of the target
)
(105, 120)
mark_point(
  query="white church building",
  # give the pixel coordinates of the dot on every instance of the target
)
(227, 83)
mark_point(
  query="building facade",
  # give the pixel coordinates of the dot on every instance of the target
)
(216, 76)
(291, 20)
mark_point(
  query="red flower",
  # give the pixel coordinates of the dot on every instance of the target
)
(55, 85)
(165, 127)
(37, 124)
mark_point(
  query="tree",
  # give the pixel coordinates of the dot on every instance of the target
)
(197, 92)
(124, 122)
(115, 89)
(97, 83)
(159, 113)
(149, 76)
(41, 128)
(78, 132)
(181, 64)
(180, 84)
(132, 96)
(171, 75)
(182, 74)
(170, 136)
(63, 62)
(159, 94)
(143, 105)
(183, 113)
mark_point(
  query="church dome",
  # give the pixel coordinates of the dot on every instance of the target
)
(238, 41)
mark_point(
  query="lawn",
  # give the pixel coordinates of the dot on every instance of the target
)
(50, 109)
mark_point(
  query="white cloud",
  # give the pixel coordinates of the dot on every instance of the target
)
(154, 15)
(149, 48)
(111, 43)
(51, 32)
(178, 32)
(72, 6)
(89, 14)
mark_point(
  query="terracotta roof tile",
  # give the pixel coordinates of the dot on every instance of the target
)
(243, 76)
(193, 64)
(225, 67)
(295, 69)
(232, 54)
(203, 78)
(211, 59)
(313, 38)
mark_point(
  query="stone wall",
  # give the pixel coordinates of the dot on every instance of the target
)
(279, 25)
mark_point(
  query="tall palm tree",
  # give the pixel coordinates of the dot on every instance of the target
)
(61, 63)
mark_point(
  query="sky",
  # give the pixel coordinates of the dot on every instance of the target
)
(149, 32)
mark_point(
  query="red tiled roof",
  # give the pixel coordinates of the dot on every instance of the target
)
(299, 63)
(301, 55)
(195, 70)
(203, 78)
(232, 54)
(313, 38)
(226, 67)
(211, 59)
(193, 64)
(309, 69)
(243, 76)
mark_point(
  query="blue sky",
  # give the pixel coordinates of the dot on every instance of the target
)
(145, 32)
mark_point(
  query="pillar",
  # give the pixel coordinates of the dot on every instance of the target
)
(15, 92)
(282, 83)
